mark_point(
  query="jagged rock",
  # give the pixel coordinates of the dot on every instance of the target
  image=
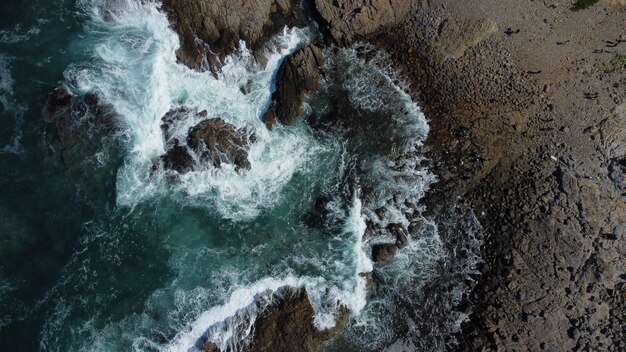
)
(348, 20)
(210, 30)
(288, 326)
(79, 123)
(383, 252)
(298, 76)
(220, 142)
(209, 346)
(178, 159)
(212, 140)
(400, 233)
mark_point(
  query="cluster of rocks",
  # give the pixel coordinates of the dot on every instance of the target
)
(210, 143)
(211, 30)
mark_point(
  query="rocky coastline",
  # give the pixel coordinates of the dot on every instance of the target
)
(527, 110)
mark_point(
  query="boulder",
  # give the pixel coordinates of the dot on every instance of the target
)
(213, 141)
(210, 30)
(288, 325)
(346, 21)
(298, 76)
(400, 233)
(383, 252)
(218, 142)
(177, 158)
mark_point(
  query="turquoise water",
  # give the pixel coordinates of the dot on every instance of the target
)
(101, 255)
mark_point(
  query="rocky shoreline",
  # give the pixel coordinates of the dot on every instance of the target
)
(525, 103)
(527, 110)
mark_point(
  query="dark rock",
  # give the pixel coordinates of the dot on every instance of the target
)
(209, 346)
(58, 100)
(298, 76)
(383, 252)
(220, 142)
(212, 140)
(178, 159)
(211, 30)
(288, 326)
(345, 21)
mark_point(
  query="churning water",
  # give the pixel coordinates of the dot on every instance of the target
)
(106, 255)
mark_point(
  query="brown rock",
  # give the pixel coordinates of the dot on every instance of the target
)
(348, 20)
(178, 159)
(220, 142)
(210, 30)
(298, 76)
(288, 326)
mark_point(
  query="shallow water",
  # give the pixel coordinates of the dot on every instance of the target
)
(104, 256)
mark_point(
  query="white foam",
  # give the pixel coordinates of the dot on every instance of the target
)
(139, 75)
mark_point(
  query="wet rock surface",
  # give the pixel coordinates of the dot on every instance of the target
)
(213, 141)
(298, 76)
(220, 142)
(211, 30)
(288, 326)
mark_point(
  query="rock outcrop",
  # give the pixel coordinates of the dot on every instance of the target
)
(298, 76)
(79, 122)
(220, 142)
(288, 326)
(346, 21)
(212, 29)
(213, 141)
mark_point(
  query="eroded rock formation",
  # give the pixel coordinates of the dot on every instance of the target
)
(298, 76)
(212, 29)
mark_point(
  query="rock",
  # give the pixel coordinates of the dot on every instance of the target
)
(80, 122)
(212, 140)
(383, 252)
(210, 30)
(346, 21)
(209, 346)
(454, 41)
(220, 142)
(298, 76)
(288, 325)
(178, 159)
(58, 101)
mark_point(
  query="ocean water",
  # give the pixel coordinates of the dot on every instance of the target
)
(105, 255)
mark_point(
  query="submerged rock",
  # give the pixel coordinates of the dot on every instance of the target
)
(298, 76)
(212, 29)
(80, 122)
(383, 252)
